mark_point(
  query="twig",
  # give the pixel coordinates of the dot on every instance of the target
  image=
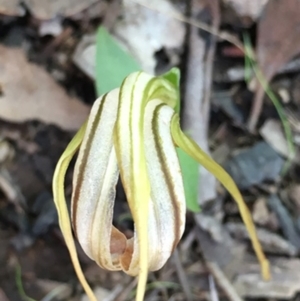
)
(115, 293)
(123, 296)
(54, 293)
(56, 42)
(186, 243)
(182, 276)
(223, 282)
(198, 80)
(256, 108)
(213, 290)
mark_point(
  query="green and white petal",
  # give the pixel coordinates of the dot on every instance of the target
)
(167, 207)
(95, 177)
(136, 90)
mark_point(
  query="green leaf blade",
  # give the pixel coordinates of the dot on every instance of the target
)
(190, 175)
(113, 63)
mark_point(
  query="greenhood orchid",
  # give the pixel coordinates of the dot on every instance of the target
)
(133, 132)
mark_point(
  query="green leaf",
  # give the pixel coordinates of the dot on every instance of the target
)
(113, 63)
(190, 175)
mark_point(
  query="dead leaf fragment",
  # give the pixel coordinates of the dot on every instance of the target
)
(10, 188)
(278, 32)
(277, 43)
(45, 9)
(53, 289)
(6, 151)
(283, 285)
(217, 245)
(85, 55)
(11, 8)
(261, 213)
(294, 195)
(252, 9)
(255, 165)
(51, 27)
(271, 242)
(104, 294)
(153, 30)
(273, 134)
(3, 297)
(285, 218)
(30, 93)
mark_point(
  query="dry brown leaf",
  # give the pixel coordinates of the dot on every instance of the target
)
(30, 93)
(3, 297)
(11, 8)
(277, 43)
(45, 9)
(278, 35)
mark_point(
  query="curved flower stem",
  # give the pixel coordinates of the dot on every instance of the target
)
(192, 149)
(62, 209)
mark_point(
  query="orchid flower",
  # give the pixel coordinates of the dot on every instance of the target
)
(133, 132)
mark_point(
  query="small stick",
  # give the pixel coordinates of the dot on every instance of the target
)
(182, 276)
(223, 281)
